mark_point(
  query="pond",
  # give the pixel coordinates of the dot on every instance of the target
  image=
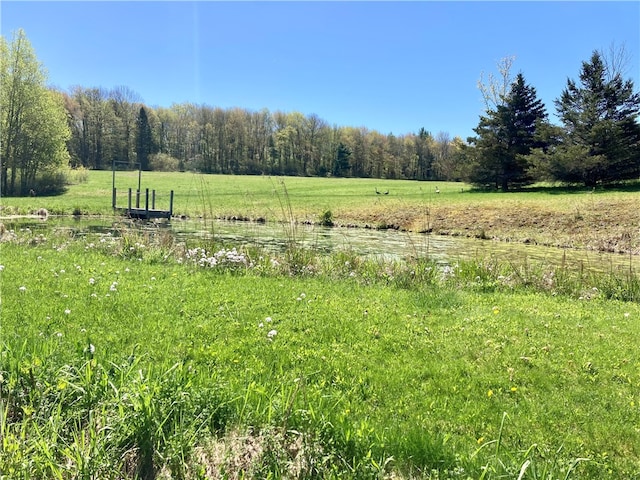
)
(386, 244)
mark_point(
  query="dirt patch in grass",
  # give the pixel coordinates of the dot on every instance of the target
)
(611, 225)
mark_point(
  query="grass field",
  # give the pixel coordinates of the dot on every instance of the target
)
(135, 356)
(603, 220)
(127, 357)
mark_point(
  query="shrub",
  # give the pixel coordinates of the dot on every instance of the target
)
(326, 219)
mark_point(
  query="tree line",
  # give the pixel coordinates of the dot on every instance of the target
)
(113, 126)
(44, 130)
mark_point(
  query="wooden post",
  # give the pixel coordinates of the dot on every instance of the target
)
(153, 200)
(171, 204)
(113, 198)
(146, 202)
(138, 198)
(129, 201)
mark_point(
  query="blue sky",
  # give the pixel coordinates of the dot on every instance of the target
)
(389, 66)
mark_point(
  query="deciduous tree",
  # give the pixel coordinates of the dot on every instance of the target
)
(33, 122)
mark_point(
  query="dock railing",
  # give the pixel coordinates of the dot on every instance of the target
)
(133, 208)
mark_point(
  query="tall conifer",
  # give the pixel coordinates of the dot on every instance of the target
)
(505, 136)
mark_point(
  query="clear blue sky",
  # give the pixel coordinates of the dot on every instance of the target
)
(389, 66)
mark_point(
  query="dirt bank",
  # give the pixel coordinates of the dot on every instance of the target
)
(608, 226)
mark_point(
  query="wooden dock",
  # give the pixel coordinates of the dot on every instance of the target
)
(148, 212)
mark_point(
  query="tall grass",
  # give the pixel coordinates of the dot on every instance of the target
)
(134, 356)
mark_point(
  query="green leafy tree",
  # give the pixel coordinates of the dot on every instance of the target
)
(95, 129)
(505, 137)
(124, 103)
(33, 122)
(600, 139)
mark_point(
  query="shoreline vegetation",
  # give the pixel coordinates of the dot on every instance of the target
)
(137, 356)
(596, 219)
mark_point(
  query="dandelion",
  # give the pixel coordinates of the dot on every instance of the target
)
(490, 393)
(271, 334)
(496, 310)
(23, 288)
(514, 389)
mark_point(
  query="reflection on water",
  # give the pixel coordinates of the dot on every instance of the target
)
(388, 244)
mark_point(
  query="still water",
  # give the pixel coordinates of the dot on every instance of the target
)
(387, 244)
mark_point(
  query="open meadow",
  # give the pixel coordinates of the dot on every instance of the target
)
(131, 355)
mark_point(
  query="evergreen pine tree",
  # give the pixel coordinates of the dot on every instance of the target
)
(341, 164)
(144, 139)
(506, 136)
(601, 141)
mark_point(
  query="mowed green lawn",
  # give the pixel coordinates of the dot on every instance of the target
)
(119, 355)
(264, 196)
(196, 194)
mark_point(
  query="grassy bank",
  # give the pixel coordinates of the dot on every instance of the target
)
(133, 357)
(603, 220)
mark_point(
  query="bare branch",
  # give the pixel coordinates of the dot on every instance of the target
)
(495, 89)
(616, 60)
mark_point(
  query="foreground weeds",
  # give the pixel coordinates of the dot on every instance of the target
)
(131, 356)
